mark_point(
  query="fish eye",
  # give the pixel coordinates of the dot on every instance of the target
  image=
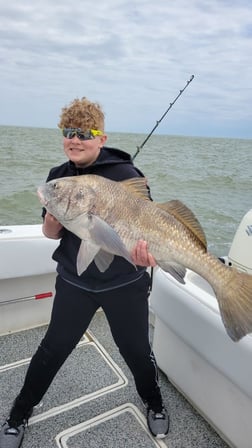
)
(80, 194)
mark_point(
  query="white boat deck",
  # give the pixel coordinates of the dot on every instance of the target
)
(92, 402)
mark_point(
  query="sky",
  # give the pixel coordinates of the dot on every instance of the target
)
(133, 57)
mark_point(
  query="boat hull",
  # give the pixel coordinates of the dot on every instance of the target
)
(192, 348)
(27, 277)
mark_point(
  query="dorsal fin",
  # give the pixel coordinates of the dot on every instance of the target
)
(137, 186)
(183, 214)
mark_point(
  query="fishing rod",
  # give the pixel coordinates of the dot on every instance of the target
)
(159, 121)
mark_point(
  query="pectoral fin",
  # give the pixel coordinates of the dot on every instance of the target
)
(107, 238)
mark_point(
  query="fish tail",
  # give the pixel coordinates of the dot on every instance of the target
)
(235, 302)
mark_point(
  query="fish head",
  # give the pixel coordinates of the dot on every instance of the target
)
(66, 198)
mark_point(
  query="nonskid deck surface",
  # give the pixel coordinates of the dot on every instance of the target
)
(92, 402)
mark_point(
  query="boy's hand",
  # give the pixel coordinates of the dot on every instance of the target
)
(141, 256)
(52, 227)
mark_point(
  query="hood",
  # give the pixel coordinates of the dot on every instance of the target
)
(107, 156)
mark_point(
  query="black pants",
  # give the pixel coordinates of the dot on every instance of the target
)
(126, 309)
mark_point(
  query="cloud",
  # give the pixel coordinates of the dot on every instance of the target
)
(133, 57)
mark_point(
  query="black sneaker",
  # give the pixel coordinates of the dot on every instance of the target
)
(158, 422)
(12, 434)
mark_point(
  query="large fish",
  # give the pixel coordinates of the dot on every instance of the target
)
(110, 217)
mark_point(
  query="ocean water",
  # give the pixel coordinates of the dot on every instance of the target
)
(210, 175)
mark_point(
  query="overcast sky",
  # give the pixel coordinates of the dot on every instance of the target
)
(133, 57)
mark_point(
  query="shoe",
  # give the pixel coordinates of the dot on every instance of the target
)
(13, 429)
(158, 422)
(12, 434)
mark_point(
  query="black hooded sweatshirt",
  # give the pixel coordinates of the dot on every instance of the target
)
(115, 165)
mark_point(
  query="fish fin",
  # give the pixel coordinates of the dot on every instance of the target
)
(107, 238)
(176, 270)
(103, 260)
(235, 303)
(183, 214)
(137, 186)
(86, 254)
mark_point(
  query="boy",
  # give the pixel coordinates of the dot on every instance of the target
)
(121, 291)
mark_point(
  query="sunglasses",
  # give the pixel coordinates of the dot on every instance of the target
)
(87, 135)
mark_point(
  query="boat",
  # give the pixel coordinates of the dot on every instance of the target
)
(204, 376)
(193, 349)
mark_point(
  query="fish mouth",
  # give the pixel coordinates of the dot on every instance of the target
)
(41, 197)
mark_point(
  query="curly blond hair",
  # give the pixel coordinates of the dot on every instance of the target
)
(82, 113)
